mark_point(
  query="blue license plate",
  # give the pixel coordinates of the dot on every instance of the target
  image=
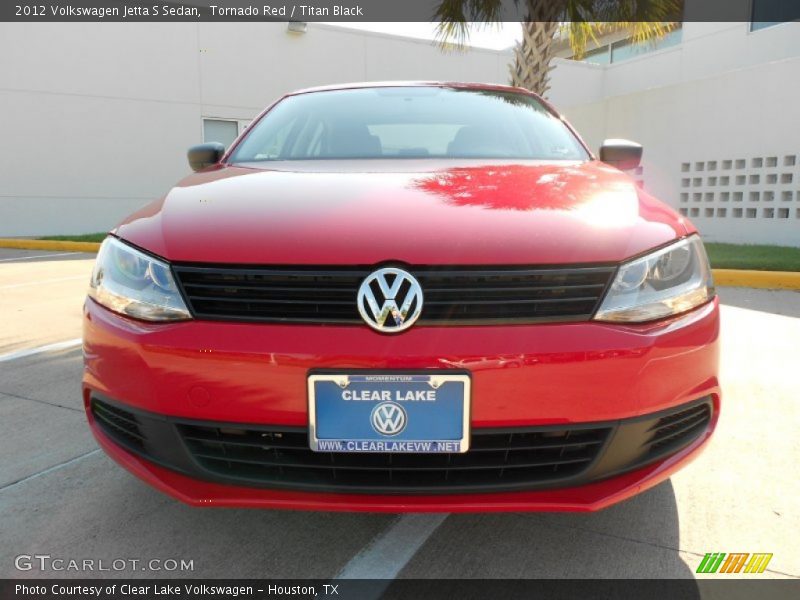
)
(385, 412)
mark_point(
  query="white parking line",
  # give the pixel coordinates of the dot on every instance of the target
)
(40, 349)
(388, 553)
(37, 256)
(44, 281)
(66, 463)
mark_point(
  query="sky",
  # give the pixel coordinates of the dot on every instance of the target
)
(497, 37)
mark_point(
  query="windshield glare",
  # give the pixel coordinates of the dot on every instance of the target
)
(409, 122)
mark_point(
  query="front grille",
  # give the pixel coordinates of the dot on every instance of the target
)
(451, 294)
(119, 424)
(541, 457)
(678, 429)
(495, 460)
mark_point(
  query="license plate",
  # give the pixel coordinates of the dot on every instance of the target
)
(389, 413)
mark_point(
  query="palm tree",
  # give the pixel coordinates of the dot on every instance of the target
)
(579, 21)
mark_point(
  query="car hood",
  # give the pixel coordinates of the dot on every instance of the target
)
(414, 212)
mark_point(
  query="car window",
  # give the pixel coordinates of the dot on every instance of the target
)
(409, 122)
(277, 142)
(409, 139)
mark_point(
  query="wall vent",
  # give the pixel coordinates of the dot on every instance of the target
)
(766, 188)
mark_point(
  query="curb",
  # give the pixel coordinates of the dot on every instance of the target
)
(770, 280)
(24, 244)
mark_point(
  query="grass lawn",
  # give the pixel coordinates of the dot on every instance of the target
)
(758, 258)
(85, 237)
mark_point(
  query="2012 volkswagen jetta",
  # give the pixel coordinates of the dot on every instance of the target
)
(404, 297)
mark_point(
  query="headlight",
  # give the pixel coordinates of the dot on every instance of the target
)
(667, 282)
(132, 283)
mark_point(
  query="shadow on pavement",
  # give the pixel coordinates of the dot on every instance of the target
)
(779, 302)
(54, 377)
(97, 510)
(94, 509)
(636, 539)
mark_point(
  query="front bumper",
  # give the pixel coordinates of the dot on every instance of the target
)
(543, 376)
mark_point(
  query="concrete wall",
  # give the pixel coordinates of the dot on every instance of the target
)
(96, 117)
(725, 95)
(706, 50)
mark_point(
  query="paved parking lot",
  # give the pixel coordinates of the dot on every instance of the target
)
(59, 495)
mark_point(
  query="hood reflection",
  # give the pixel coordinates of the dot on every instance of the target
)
(592, 190)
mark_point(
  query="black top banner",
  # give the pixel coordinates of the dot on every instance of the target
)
(398, 10)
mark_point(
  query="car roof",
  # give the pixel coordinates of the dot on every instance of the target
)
(384, 84)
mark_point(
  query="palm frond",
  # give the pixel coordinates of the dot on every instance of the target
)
(454, 17)
(644, 31)
(583, 21)
(631, 11)
(580, 33)
(641, 20)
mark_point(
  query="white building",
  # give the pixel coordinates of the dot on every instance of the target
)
(717, 108)
(96, 117)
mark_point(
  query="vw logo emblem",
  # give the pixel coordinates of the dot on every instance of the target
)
(388, 418)
(390, 300)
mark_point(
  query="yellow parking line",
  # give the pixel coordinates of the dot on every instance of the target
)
(771, 280)
(26, 244)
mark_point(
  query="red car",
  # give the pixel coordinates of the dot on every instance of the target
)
(404, 297)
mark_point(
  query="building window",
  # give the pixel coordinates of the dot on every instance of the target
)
(756, 25)
(598, 56)
(763, 11)
(626, 49)
(220, 130)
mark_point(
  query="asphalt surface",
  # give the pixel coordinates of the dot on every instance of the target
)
(61, 496)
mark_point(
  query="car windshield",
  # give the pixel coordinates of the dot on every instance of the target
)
(409, 122)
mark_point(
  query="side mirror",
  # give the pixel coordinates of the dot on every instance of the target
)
(622, 154)
(205, 155)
